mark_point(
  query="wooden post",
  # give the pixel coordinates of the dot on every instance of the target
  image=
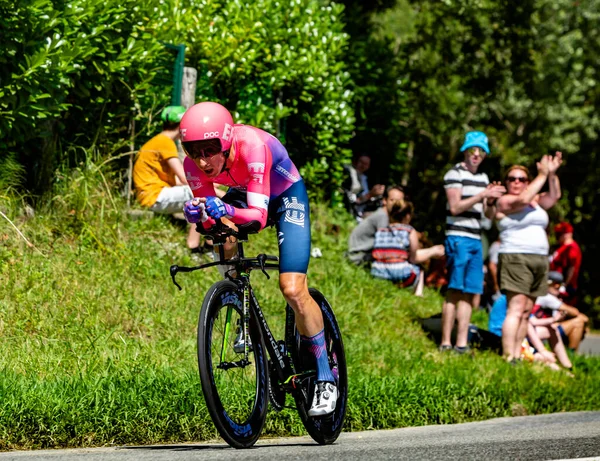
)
(188, 87)
(188, 95)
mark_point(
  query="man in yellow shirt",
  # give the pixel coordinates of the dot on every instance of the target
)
(158, 174)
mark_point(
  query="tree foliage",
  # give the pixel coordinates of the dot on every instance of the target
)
(524, 73)
(76, 73)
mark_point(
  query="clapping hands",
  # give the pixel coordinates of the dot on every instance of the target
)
(549, 164)
(494, 191)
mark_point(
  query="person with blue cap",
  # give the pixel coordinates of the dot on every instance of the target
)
(470, 196)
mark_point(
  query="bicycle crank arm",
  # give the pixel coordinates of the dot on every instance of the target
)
(294, 381)
(228, 365)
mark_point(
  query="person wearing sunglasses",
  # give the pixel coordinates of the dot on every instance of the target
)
(470, 196)
(523, 255)
(265, 189)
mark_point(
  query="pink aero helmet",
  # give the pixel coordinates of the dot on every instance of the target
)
(207, 120)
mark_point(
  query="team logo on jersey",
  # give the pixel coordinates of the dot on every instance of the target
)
(294, 211)
(193, 181)
(227, 132)
(283, 172)
(257, 171)
(280, 237)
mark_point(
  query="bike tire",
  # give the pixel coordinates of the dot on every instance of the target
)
(324, 430)
(237, 398)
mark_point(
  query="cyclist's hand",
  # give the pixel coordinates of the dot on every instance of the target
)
(218, 209)
(195, 211)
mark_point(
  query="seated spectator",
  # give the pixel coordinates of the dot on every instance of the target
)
(567, 260)
(360, 199)
(396, 252)
(158, 173)
(548, 310)
(362, 238)
(572, 324)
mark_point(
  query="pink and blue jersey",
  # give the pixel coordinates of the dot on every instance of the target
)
(262, 169)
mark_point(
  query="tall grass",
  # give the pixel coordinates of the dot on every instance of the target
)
(97, 346)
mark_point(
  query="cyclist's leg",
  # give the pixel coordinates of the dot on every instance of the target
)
(292, 219)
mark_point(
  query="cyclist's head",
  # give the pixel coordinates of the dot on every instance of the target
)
(206, 131)
(207, 121)
(171, 117)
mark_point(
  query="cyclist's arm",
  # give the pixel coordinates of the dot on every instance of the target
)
(200, 185)
(259, 162)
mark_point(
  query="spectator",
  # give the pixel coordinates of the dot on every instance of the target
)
(396, 252)
(492, 288)
(360, 199)
(362, 238)
(158, 173)
(470, 196)
(523, 262)
(567, 260)
(543, 325)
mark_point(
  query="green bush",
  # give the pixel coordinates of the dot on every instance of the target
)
(282, 71)
(75, 74)
(72, 74)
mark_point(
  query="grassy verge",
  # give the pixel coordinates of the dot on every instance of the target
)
(98, 347)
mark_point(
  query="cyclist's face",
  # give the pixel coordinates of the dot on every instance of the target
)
(206, 155)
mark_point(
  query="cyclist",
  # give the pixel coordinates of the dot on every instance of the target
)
(265, 188)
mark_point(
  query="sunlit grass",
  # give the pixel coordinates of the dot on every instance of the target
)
(97, 346)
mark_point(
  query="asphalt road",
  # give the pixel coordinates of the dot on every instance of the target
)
(590, 345)
(545, 437)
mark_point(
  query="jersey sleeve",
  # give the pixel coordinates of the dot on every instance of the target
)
(200, 185)
(452, 179)
(259, 163)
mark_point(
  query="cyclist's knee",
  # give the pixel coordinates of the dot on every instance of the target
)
(293, 287)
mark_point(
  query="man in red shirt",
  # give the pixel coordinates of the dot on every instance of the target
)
(567, 260)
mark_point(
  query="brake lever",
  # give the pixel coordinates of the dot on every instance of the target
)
(174, 269)
(261, 260)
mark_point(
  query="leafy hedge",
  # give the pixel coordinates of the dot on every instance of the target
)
(74, 74)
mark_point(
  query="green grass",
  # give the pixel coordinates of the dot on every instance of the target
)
(97, 346)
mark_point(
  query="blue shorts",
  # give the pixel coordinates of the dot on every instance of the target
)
(464, 260)
(290, 213)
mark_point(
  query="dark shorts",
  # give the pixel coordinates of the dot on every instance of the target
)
(290, 214)
(563, 336)
(523, 273)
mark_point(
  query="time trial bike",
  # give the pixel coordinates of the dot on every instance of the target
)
(243, 366)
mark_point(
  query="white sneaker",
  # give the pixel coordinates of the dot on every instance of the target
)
(326, 395)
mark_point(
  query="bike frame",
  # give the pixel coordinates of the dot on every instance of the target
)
(243, 266)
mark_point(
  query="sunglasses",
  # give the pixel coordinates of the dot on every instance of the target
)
(202, 149)
(517, 179)
(474, 150)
